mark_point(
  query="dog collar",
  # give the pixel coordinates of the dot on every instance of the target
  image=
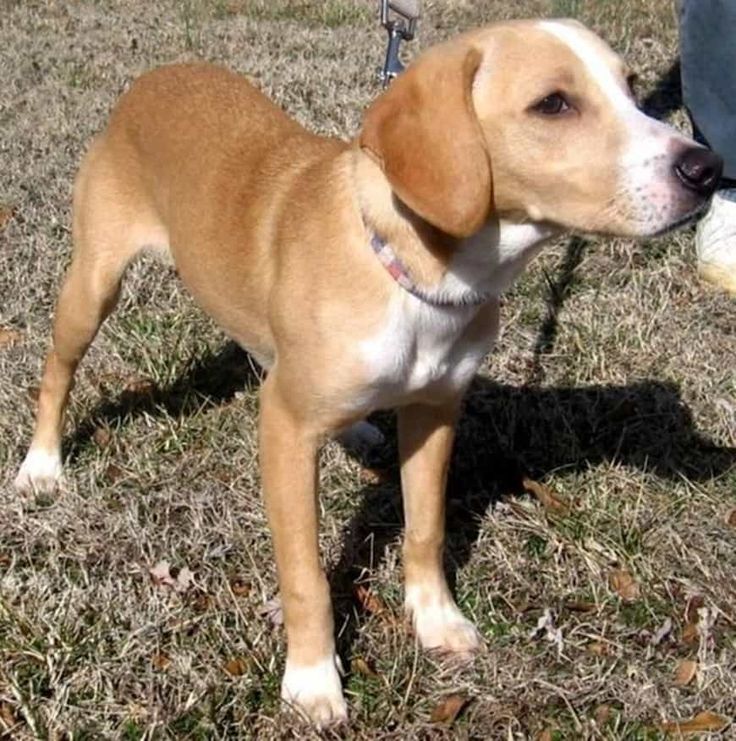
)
(398, 271)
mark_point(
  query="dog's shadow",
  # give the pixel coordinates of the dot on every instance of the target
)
(211, 380)
(506, 433)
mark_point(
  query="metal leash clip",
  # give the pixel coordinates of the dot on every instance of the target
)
(399, 18)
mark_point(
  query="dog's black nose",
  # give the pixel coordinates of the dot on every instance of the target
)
(699, 169)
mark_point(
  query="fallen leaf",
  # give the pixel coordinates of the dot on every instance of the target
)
(369, 601)
(234, 7)
(690, 634)
(135, 386)
(581, 606)
(546, 735)
(731, 517)
(102, 437)
(661, 633)
(374, 476)
(200, 601)
(161, 661)
(272, 611)
(184, 579)
(136, 711)
(601, 715)
(7, 716)
(546, 497)
(223, 474)
(599, 648)
(546, 625)
(694, 603)
(9, 336)
(705, 721)
(624, 585)
(114, 473)
(685, 672)
(236, 667)
(6, 214)
(448, 709)
(239, 587)
(163, 577)
(359, 665)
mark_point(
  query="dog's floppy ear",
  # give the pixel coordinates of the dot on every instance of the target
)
(426, 137)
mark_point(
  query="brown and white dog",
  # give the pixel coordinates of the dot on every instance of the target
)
(380, 261)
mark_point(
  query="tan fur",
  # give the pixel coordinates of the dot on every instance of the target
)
(269, 228)
(583, 145)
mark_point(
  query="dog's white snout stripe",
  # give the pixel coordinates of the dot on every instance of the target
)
(575, 39)
(648, 195)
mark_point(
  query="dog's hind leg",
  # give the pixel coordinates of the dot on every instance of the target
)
(106, 234)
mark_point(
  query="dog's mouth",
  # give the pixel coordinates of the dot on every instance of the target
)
(690, 217)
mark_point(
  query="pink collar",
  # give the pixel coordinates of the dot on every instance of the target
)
(397, 270)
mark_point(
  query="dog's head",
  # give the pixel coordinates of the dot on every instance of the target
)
(533, 120)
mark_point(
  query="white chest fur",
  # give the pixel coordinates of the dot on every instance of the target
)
(488, 262)
(426, 348)
(421, 347)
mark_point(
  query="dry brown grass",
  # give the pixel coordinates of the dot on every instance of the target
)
(613, 384)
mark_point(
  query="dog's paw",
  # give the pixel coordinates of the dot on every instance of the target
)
(40, 472)
(361, 438)
(316, 691)
(440, 626)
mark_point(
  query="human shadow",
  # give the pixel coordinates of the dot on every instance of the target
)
(666, 95)
(509, 432)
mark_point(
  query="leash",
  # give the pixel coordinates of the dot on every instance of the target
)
(399, 18)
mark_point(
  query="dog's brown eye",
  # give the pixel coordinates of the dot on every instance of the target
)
(552, 105)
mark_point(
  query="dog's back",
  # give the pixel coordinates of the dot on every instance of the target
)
(186, 122)
(198, 165)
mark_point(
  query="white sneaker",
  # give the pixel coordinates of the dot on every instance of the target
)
(715, 242)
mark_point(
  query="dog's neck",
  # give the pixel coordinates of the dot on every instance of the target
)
(429, 295)
(435, 267)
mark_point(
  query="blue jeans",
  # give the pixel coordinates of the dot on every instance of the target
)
(708, 69)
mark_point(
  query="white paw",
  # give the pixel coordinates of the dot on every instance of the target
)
(439, 625)
(40, 472)
(362, 437)
(316, 691)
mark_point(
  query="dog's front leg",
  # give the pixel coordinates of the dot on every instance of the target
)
(288, 457)
(426, 435)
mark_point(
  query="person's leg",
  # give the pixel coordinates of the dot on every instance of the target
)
(708, 67)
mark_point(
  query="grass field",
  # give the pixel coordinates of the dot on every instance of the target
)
(611, 394)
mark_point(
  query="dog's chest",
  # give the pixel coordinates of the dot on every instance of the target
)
(420, 347)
